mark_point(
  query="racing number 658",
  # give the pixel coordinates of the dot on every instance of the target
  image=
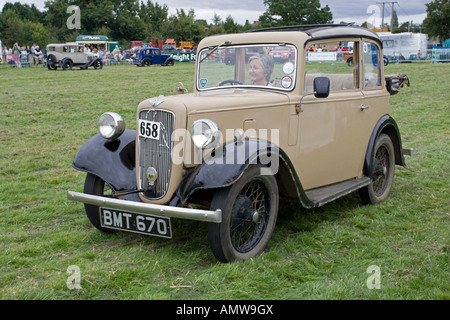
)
(149, 129)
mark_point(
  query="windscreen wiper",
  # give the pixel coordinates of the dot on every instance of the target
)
(228, 42)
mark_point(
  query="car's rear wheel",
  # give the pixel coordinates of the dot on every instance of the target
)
(249, 213)
(169, 62)
(96, 186)
(98, 64)
(146, 63)
(51, 62)
(383, 165)
(67, 65)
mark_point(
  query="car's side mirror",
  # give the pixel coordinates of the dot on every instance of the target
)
(321, 87)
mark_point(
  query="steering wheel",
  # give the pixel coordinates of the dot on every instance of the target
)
(232, 82)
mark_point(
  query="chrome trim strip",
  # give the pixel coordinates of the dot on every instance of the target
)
(141, 207)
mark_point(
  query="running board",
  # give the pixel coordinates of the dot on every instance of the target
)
(323, 195)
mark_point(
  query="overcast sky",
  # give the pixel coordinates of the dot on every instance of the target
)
(356, 11)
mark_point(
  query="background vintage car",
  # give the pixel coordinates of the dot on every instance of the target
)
(68, 55)
(148, 56)
(317, 129)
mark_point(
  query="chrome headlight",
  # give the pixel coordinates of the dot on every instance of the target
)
(205, 133)
(111, 125)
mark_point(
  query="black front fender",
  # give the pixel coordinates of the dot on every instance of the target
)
(227, 167)
(112, 161)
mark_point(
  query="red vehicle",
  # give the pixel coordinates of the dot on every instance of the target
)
(282, 54)
(136, 43)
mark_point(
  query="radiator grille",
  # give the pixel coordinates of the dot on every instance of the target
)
(156, 153)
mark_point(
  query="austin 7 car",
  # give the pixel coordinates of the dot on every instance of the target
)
(308, 130)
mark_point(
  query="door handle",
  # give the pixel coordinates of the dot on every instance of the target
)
(363, 107)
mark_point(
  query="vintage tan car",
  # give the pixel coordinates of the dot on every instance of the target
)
(309, 130)
(68, 55)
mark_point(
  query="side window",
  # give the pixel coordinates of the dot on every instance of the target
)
(372, 65)
(336, 60)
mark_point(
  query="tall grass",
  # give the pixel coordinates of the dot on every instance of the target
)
(317, 254)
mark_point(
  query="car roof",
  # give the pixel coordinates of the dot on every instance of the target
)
(326, 31)
(301, 35)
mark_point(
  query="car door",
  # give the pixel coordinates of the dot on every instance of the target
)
(376, 97)
(156, 57)
(332, 146)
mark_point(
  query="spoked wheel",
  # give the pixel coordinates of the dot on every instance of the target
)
(67, 65)
(383, 172)
(51, 62)
(96, 186)
(249, 213)
(98, 64)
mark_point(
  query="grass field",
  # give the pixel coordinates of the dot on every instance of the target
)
(318, 254)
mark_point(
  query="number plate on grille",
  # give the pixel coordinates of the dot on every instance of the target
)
(136, 222)
(149, 129)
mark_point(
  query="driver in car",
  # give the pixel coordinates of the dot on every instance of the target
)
(260, 70)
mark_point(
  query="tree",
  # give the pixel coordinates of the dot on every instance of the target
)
(155, 18)
(230, 26)
(295, 12)
(436, 22)
(184, 27)
(11, 27)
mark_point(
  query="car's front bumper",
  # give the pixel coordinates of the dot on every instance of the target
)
(147, 208)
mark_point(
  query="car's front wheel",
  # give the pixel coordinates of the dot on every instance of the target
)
(383, 164)
(96, 186)
(249, 213)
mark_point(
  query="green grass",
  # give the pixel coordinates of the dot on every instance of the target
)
(316, 254)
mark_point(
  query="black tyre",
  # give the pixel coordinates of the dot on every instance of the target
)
(98, 64)
(67, 65)
(249, 213)
(51, 62)
(383, 172)
(146, 63)
(96, 186)
(169, 62)
(386, 61)
(229, 61)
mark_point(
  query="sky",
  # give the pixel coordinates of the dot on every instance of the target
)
(357, 11)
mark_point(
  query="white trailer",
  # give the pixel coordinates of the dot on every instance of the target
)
(404, 46)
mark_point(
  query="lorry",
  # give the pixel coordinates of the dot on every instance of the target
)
(404, 46)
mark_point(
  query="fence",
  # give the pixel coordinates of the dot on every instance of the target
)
(440, 54)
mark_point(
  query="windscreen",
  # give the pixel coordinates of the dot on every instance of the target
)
(264, 66)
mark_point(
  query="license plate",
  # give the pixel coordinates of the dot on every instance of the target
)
(149, 129)
(136, 222)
